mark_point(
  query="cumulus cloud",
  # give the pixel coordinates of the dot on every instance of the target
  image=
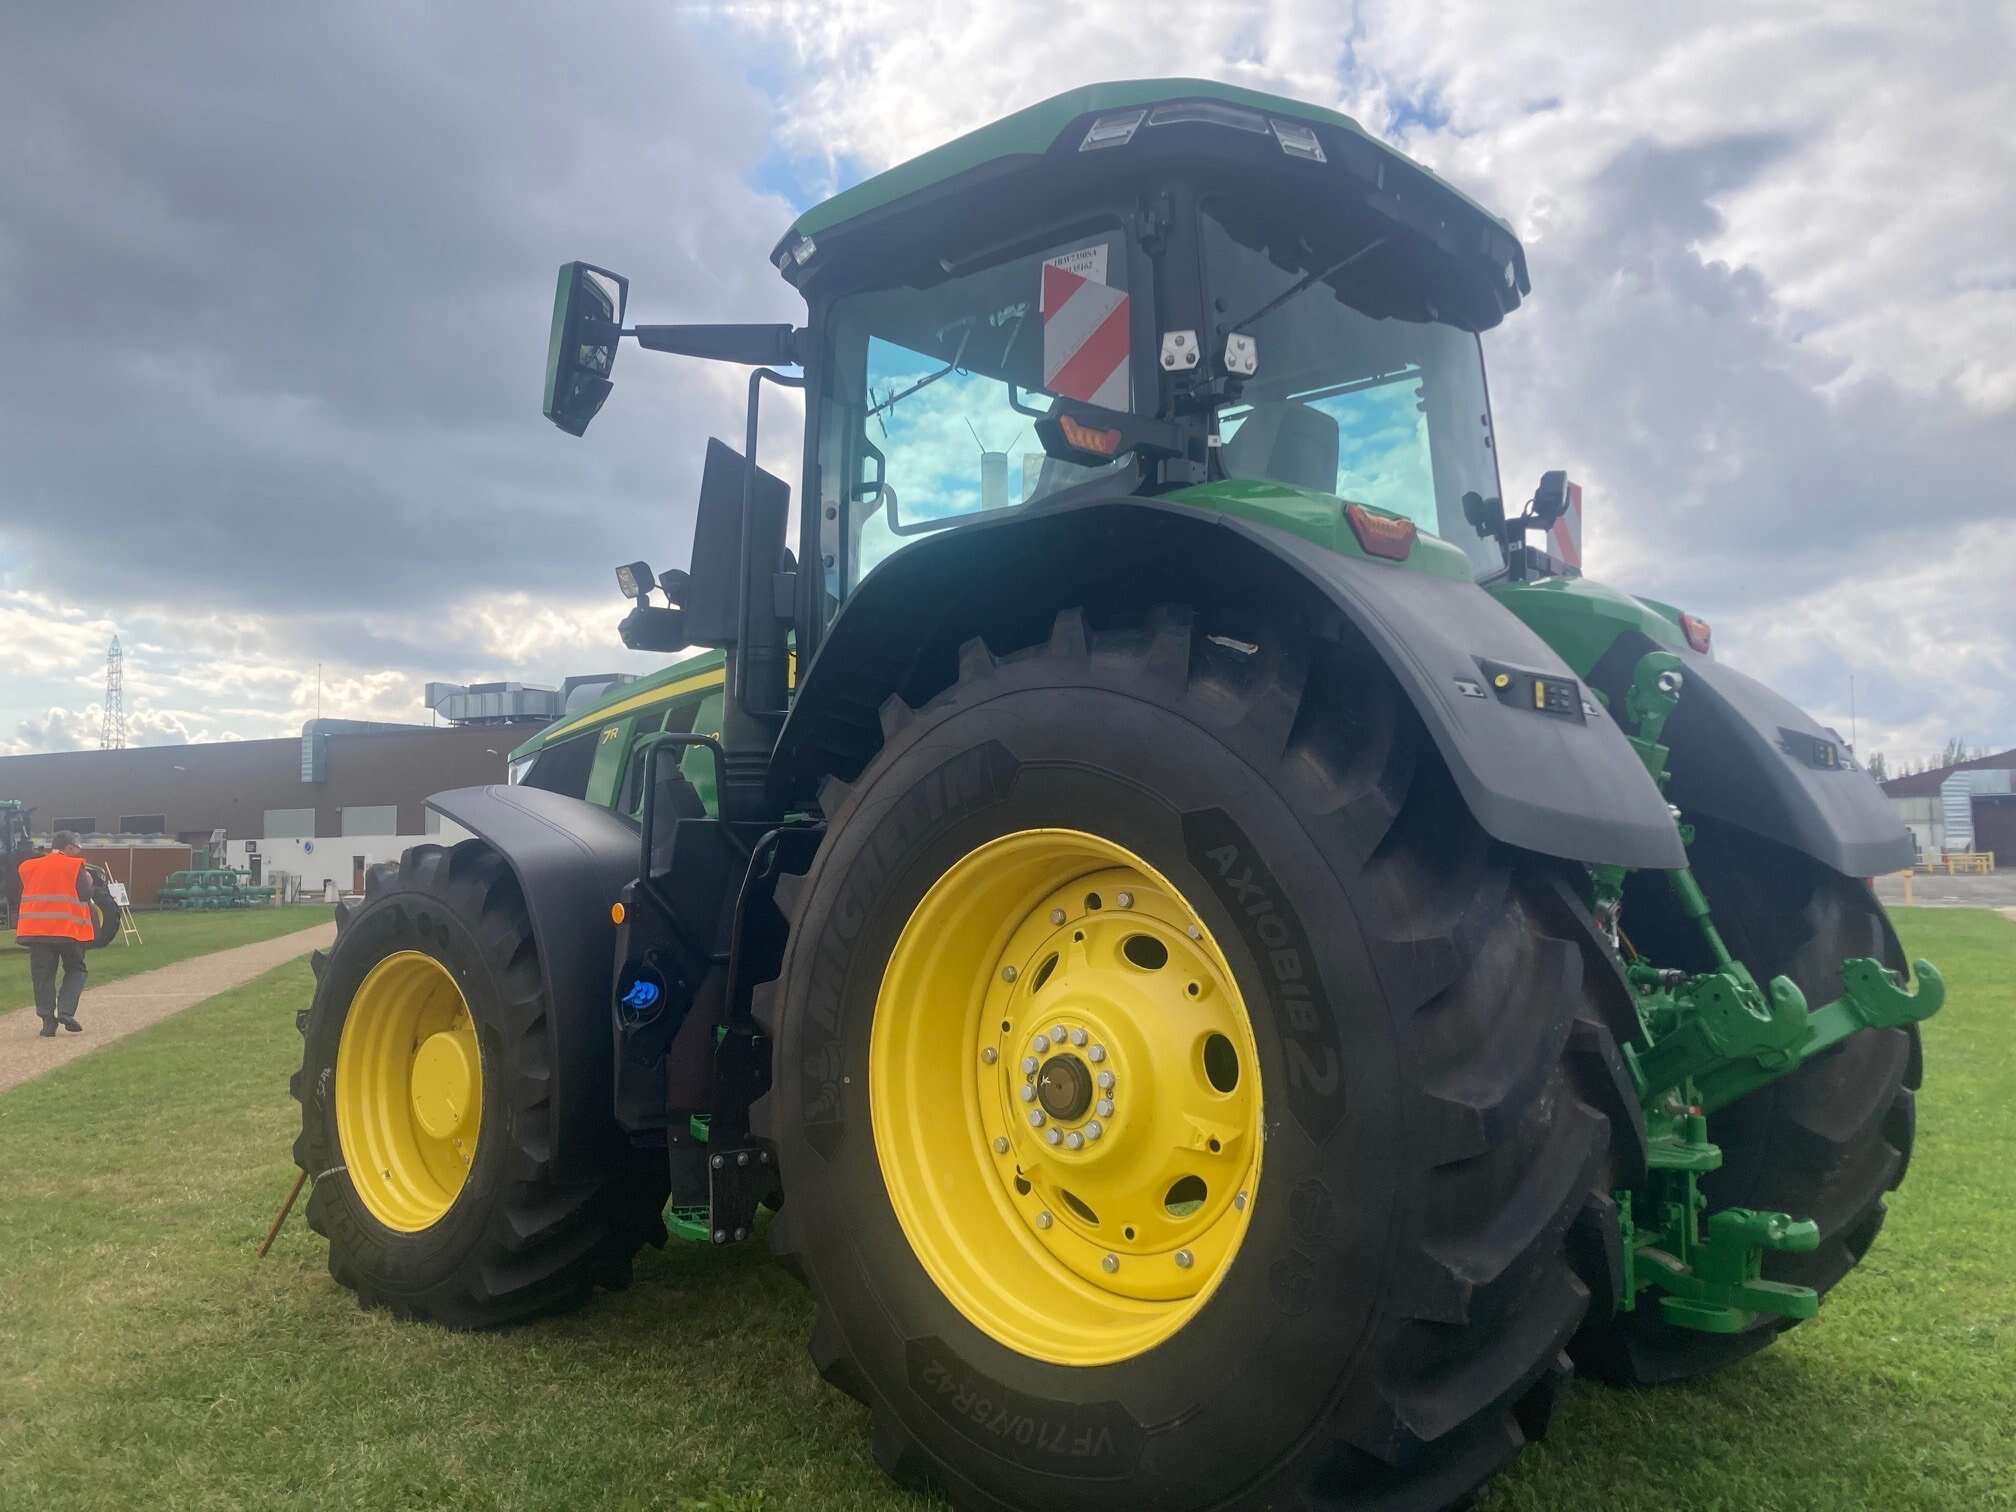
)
(289, 418)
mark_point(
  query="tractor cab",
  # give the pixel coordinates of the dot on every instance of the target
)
(1131, 289)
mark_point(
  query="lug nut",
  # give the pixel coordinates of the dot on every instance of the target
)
(1106, 1081)
(1079, 1036)
(1057, 1034)
(1028, 1093)
(1194, 932)
(1041, 1043)
(1096, 1054)
(1125, 899)
(1110, 1264)
(1239, 1202)
(1028, 1065)
(1184, 1259)
(1035, 1118)
(1044, 1220)
(1000, 1144)
(1105, 1107)
(1056, 916)
(1094, 1129)
(989, 1056)
(1074, 1140)
(1051, 1136)
(1008, 973)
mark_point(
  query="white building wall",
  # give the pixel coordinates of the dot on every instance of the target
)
(330, 858)
(1921, 817)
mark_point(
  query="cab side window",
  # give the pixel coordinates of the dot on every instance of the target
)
(563, 768)
(679, 720)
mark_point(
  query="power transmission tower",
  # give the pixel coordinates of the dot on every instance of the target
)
(113, 736)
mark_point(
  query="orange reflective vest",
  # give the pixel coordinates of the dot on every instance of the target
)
(50, 907)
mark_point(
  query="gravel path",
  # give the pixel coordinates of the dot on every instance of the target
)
(117, 1009)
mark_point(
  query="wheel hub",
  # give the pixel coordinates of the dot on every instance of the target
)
(408, 1091)
(1064, 1087)
(1111, 1087)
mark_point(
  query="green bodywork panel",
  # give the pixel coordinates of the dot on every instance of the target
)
(1581, 619)
(618, 720)
(1032, 131)
(1319, 518)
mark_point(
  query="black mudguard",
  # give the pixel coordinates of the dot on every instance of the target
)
(572, 860)
(1564, 785)
(1749, 757)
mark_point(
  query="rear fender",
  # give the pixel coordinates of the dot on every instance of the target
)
(1564, 785)
(572, 860)
(1745, 755)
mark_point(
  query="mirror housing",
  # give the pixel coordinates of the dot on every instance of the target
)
(1553, 497)
(588, 309)
(1486, 516)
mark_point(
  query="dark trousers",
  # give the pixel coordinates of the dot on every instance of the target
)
(43, 958)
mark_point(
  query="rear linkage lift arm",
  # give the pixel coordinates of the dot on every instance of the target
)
(1705, 1041)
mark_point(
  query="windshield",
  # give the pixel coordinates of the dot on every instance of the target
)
(929, 395)
(1387, 412)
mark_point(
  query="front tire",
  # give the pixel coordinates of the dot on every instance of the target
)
(425, 1085)
(1385, 1330)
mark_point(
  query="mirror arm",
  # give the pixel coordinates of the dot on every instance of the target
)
(754, 344)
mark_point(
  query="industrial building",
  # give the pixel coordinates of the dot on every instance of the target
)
(1969, 807)
(324, 806)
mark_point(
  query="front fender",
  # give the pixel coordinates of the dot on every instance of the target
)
(572, 860)
(1563, 785)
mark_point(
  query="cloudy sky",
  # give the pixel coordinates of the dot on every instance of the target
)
(274, 287)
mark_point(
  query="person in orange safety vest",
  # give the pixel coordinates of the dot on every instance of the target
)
(57, 925)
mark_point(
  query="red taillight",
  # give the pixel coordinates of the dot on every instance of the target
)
(1699, 632)
(1380, 535)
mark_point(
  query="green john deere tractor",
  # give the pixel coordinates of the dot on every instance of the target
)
(1230, 961)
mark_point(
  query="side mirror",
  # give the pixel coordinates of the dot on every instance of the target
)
(1555, 497)
(581, 351)
(1486, 516)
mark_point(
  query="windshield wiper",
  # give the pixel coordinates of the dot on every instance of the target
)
(927, 380)
(1299, 285)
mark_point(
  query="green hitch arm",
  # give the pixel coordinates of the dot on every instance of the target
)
(1724, 1290)
(1873, 997)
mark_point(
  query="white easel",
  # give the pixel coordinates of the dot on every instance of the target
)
(129, 928)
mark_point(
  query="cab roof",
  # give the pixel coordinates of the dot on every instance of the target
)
(1058, 125)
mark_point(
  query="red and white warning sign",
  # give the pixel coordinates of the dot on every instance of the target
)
(1566, 533)
(1085, 330)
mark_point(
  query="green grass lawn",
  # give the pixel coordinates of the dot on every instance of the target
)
(169, 937)
(146, 1359)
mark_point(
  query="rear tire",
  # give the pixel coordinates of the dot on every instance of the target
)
(513, 1242)
(1389, 1331)
(1825, 1143)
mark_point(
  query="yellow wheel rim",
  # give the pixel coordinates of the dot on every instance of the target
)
(409, 1091)
(1066, 1097)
